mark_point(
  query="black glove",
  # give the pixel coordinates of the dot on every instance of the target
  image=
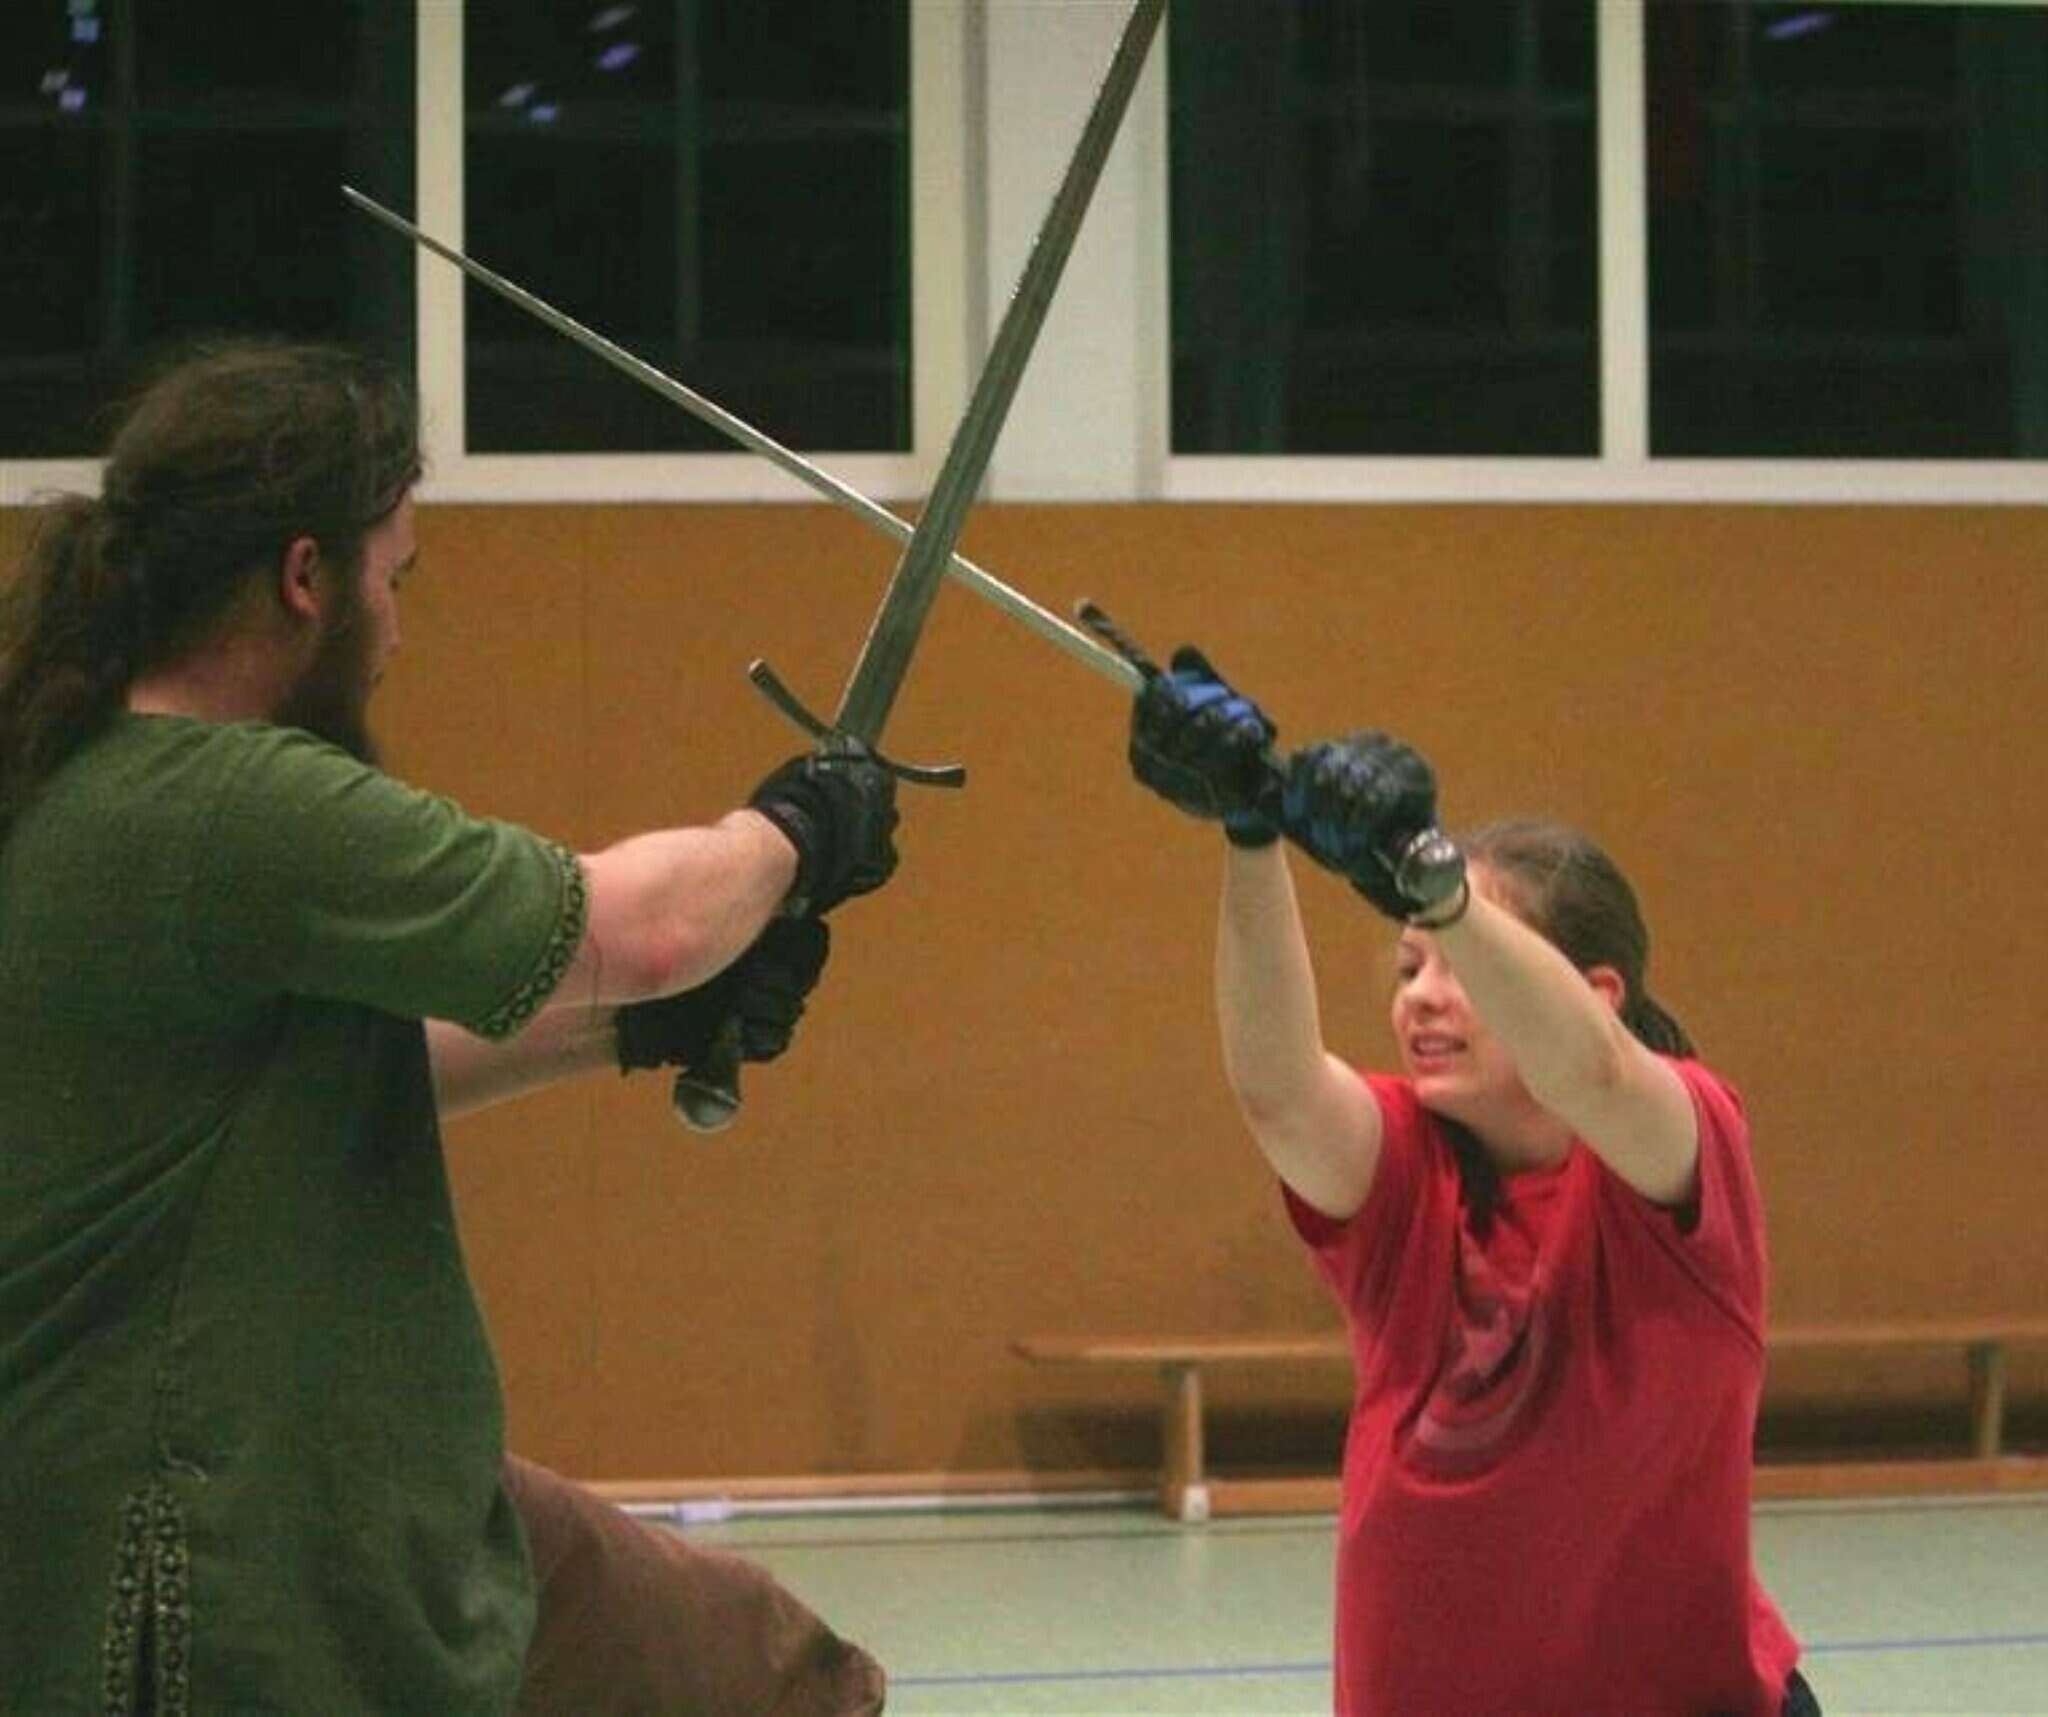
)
(1203, 747)
(764, 989)
(1353, 805)
(839, 813)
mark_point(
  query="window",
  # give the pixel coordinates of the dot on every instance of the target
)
(1848, 230)
(1399, 249)
(721, 187)
(1383, 228)
(173, 169)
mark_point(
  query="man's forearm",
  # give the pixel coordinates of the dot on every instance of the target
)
(471, 1073)
(672, 908)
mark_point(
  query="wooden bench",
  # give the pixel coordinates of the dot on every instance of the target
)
(1983, 1343)
(1188, 1491)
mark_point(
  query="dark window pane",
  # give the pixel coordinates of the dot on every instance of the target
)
(1384, 228)
(51, 59)
(173, 169)
(204, 50)
(271, 256)
(52, 237)
(721, 186)
(1848, 230)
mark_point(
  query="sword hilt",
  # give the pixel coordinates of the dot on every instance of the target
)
(706, 1098)
(1426, 865)
(832, 741)
(878, 673)
(1428, 868)
(1093, 616)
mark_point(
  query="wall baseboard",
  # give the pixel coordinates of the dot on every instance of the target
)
(698, 1500)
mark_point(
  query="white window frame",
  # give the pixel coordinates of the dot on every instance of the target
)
(998, 91)
(456, 474)
(1623, 472)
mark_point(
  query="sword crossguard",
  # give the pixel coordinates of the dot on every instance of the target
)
(831, 742)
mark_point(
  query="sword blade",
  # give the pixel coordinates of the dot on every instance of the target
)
(878, 673)
(984, 584)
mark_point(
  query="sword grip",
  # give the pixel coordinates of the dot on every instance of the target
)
(1092, 615)
(707, 1096)
(1425, 864)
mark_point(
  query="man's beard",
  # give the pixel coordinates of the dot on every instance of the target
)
(332, 697)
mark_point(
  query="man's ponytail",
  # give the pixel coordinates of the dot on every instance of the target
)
(220, 462)
(70, 622)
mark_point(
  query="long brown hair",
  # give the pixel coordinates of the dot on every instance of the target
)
(1571, 893)
(219, 462)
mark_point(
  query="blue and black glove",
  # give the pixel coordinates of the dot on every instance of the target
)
(1206, 748)
(764, 989)
(1353, 805)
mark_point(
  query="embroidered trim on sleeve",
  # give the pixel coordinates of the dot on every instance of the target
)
(570, 918)
(150, 1600)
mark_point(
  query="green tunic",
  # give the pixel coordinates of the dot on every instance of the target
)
(250, 1426)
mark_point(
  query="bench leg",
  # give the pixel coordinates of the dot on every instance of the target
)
(1987, 1397)
(1184, 1489)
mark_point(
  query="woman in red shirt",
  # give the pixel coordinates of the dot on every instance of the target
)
(1544, 1233)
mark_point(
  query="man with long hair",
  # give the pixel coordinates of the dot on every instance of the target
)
(251, 1433)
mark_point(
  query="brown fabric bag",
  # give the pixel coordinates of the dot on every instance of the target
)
(635, 1622)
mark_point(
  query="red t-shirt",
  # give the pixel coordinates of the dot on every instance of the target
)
(1547, 1475)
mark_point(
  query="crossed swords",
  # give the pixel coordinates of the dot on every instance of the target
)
(986, 585)
(707, 1098)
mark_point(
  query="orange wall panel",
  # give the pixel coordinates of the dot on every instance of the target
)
(1812, 735)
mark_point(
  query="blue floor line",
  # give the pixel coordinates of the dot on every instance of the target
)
(1191, 1672)
(1961, 1642)
(1219, 1671)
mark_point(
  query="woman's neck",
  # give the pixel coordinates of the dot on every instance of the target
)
(1521, 1136)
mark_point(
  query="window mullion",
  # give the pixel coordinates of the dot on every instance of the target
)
(438, 170)
(1624, 248)
(948, 229)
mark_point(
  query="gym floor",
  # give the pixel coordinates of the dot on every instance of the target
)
(1921, 1605)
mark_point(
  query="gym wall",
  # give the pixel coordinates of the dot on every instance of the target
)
(1811, 735)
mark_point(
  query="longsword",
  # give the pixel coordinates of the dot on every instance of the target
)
(708, 1096)
(1048, 625)
(1424, 867)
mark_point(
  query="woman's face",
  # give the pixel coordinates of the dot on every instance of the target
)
(1457, 1066)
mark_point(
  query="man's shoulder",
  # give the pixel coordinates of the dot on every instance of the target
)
(133, 735)
(159, 773)
(188, 748)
